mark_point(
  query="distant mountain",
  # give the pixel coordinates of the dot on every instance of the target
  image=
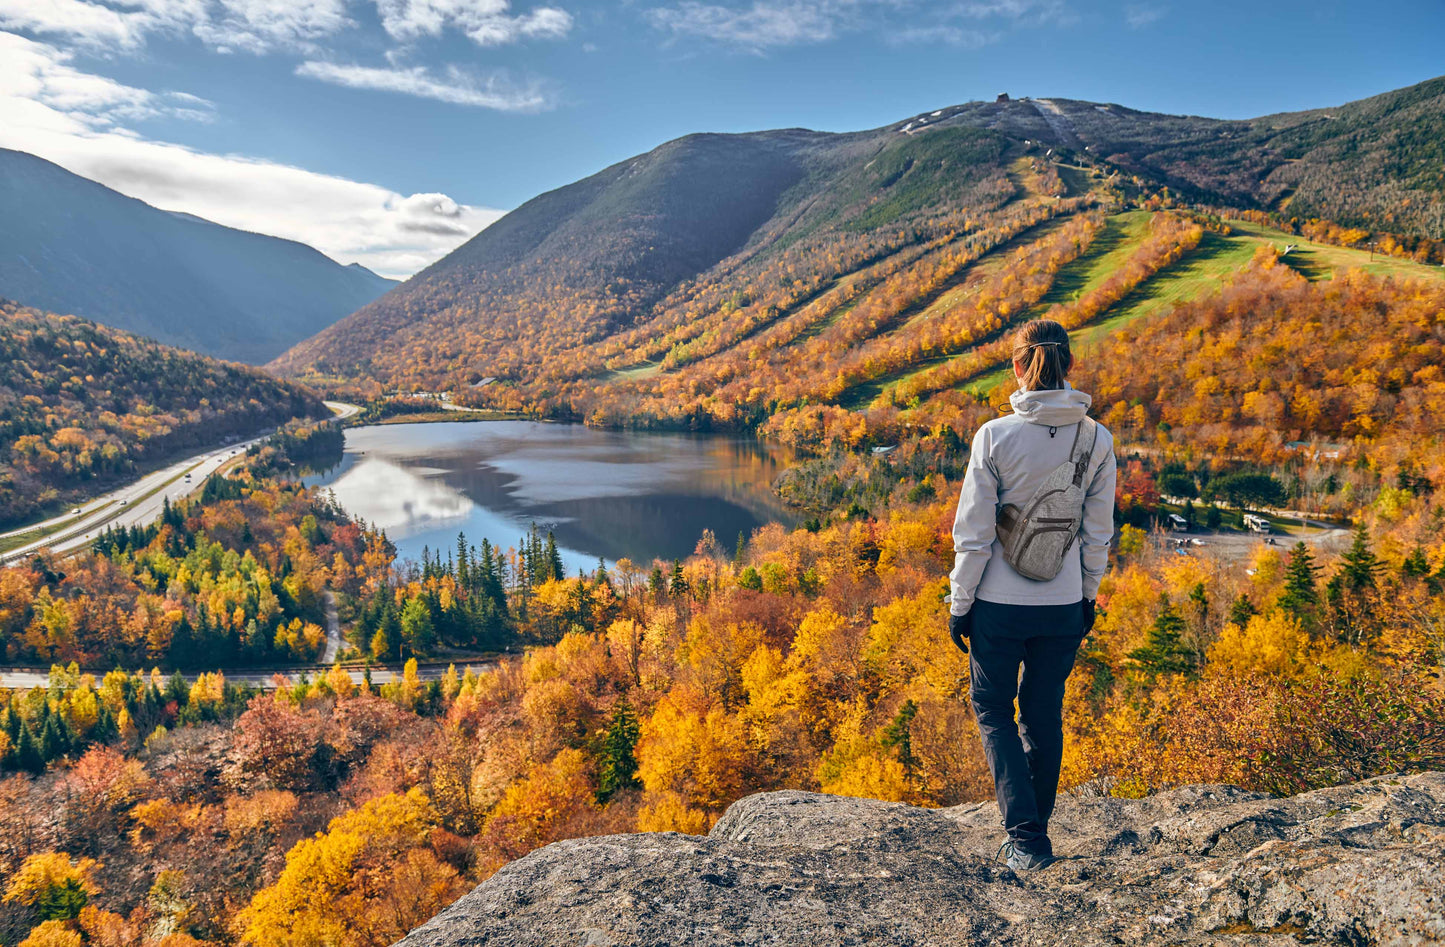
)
(71, 245)
(569, 286)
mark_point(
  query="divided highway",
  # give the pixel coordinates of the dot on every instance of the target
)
(138, 503)
(141, 503)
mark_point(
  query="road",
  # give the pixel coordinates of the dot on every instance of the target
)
(138, 503)
(334, 644)
(25, 678)
(343, 410)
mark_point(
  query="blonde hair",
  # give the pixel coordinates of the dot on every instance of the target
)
(1042, 356)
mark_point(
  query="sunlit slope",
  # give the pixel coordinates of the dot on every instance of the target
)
(721, 279)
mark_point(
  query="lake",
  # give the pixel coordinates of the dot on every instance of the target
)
(604, 494)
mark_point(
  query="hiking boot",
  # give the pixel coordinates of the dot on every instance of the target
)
(1021, 860)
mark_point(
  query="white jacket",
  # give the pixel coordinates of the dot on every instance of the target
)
(1011, 456)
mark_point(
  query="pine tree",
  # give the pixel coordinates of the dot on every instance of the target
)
(1416, 566)
(1360, 566)
(899, 734)
(618, 769)
(1164, 651)
(463, 566)
(1301, 596)
(1241, 611)
(656, 583)
(55, 739)
(554, 558)
(27, 755)
(678, 585)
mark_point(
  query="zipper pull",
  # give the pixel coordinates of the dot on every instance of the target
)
(1053, 431)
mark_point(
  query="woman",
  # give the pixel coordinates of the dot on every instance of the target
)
(1014, 620)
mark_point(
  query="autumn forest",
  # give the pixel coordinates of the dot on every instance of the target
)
(1248, 357)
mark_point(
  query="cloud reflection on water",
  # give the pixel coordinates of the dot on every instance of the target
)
(399, 500)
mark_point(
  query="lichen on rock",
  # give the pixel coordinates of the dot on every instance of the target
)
(1356, 864)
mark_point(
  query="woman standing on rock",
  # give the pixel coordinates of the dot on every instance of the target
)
(1031, 541)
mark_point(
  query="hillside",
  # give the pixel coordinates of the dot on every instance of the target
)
(1195, 865)
(677, 287)
(82, 405)
(72, 245)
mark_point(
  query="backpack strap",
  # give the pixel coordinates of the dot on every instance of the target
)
(1081, 461)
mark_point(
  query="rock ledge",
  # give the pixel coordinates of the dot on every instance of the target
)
(1358, 864)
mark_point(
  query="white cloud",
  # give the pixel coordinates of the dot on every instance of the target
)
(756, 28)
(486, 22)
(1139, 15)
(260, 26)
(87, 23)
(457, 87)
(51, 109)
(774, 23)
(950, 35)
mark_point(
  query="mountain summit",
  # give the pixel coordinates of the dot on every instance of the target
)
(1358, 864)
(74, 246)
(648, 237)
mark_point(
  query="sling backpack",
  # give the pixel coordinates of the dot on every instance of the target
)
(1036, 538)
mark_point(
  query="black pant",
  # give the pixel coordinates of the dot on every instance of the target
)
(1024, 757)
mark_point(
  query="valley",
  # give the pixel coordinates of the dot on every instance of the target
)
(676, 528)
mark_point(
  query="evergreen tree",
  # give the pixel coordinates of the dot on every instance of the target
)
(463, 563)
(656, 583)
(554, 558)
(178, 690)
(1359, 565)
(678, 584)
(898, 734)
(618, 764)
(1241, 611)
(1164, 651)
(1416, 566)
(28, 757)
(738, 555)
(418, 630)
(1301, 597)
(55, 739)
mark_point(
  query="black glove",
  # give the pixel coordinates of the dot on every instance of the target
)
(960, 627)
(1088, 615)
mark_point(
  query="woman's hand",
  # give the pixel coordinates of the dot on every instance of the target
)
(1089, 615)
(960, 627)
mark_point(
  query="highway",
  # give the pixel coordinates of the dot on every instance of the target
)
(138, 503)
(17, 678)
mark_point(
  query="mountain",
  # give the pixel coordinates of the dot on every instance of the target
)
(82, 405)
(704, 259)
(72, 245)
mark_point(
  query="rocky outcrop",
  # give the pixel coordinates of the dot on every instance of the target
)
(1358, 864)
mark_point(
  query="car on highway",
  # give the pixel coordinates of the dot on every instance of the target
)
(75, 512)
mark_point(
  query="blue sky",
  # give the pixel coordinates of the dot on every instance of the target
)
(388, 131)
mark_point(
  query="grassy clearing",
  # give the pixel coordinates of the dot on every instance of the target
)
(1120, 236)
(1207, 268)
(636, 372)
(1318, 261)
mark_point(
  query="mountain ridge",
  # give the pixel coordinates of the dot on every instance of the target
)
(74, 245)
(582, 263)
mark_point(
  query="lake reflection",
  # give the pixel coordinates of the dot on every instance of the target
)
(605, 494)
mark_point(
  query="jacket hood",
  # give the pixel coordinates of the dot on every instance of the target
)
(1054, 407)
